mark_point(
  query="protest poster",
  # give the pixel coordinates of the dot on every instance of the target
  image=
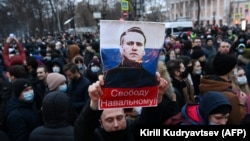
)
(129, 52)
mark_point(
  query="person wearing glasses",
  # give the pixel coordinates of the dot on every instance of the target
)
(130, 72)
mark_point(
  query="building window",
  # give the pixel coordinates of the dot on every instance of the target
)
(241, 10)
(208, 22)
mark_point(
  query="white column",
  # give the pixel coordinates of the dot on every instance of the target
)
(218, 11)
(211, 11)
(194, 9)
(189, 11)
(184, 9)
(205, 9)
(175, 9)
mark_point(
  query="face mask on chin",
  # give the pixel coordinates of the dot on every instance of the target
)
(212, 123)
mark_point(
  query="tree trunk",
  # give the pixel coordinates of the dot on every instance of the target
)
(198, 13)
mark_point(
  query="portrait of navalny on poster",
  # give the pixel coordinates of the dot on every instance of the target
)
(129, 51)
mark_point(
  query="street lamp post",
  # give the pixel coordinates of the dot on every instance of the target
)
(104, 9)
(214, 13)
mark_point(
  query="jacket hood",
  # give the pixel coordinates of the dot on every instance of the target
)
(58, 61)
(210, 101)
(55, 109)
(192, 115)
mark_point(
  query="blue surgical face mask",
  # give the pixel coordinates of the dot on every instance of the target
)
(63, 88)
(80, 66)
(48, 58)
(162, 58)
(242, 80)
(95, 69)
(28, 96)
(198, 72)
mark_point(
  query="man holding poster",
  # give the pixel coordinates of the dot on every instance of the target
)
(133, 77)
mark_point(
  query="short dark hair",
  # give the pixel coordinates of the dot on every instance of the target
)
(72, 67)
(31, 61)
(133, 29)
(18, 71)
(45, 68)
(174, 65)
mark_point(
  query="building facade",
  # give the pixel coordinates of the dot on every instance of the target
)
(218, 12)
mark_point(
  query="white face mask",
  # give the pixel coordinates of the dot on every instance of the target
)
(95, 69)
(242, 80)
(56, 69)
(212, 123)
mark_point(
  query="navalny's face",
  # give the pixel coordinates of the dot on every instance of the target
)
(132, 47)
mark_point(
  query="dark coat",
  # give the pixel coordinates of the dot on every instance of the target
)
(78, 92)
(56, 112)
(3, 136)
(88, 123)
(215, 83)
(198, 114)
(22, 118)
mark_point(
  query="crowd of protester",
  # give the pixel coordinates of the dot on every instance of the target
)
(49, 85)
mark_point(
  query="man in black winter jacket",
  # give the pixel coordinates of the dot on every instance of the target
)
(111, 124)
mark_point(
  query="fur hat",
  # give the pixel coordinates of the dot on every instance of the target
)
(54, 80)
(224, 63)
(19, 85)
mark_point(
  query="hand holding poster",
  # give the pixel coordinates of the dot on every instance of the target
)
(129, 53)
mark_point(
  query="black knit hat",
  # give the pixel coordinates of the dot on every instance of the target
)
(224, 63)
(196, 54)
(19, 85)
